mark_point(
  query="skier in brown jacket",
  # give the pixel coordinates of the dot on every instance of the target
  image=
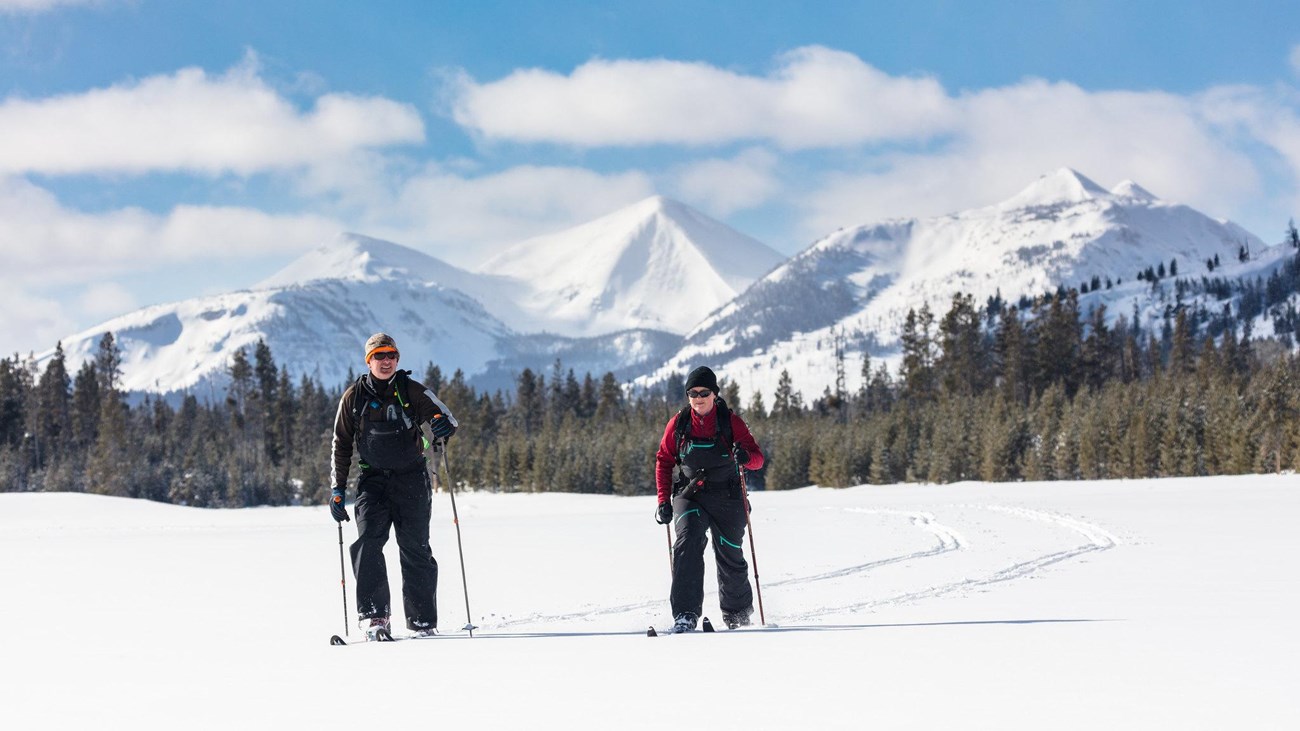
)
(382, 414)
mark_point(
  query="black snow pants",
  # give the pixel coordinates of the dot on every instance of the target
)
(402, 501)
(716, 511)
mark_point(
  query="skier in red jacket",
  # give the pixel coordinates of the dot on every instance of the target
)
(709, 445)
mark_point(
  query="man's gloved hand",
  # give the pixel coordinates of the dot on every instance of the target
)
(742, 457)
(337, 510)
(664, 513)
(442, 427)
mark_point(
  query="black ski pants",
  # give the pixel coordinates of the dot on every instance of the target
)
(403, 502)
(711, 511)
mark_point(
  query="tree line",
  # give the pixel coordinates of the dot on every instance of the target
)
(1038, 390)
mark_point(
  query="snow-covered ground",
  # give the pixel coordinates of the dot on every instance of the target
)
(1161, 604)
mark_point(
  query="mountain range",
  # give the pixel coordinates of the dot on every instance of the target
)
(644, 275)
(656, 288)
(856, 285)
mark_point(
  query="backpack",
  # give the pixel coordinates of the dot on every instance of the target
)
(688, 485)
(400, 380)
(681, 429)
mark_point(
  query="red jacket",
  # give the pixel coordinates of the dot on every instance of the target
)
(702, 427)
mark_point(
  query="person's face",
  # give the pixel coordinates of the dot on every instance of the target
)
(701, 400)
(383, 365)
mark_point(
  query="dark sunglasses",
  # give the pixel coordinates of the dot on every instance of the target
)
(386, 355)
(702, 393)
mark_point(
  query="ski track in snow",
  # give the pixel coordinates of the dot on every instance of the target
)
(1098, 539)
(947, 540)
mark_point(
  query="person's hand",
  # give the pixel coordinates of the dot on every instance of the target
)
(664, 513)
(337, 510)
(742, 457)
(442, 427)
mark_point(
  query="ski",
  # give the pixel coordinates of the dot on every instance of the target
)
(705, 626)
(381, 637)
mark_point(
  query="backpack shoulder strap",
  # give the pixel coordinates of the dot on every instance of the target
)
(358, 403)
(401, 384)
(724, 422)
(680, 430)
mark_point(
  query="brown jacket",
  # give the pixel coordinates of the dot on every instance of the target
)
(378, 398)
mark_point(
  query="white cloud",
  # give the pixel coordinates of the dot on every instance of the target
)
(56, 244)
(32, 7)
(103, 300)
(33, 322)
(465, 219)
(194, 122)
(816, 97)
(1183, 149)
(725, 186)
(904, 145)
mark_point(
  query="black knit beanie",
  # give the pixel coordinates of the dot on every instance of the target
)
(702, 377)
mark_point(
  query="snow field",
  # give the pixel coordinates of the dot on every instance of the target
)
(1119, 604)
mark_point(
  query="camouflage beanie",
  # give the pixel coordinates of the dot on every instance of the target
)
(380, 343)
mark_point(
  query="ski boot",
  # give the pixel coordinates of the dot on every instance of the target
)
(685, 622)
(378, 630)
(737, 619)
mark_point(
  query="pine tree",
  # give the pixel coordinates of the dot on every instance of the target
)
(433, 377)
(1012, 352)
(52, 422)
(239, 394)
(15, 448)
(610, 406)
(1099, 358)
(731, 394)
(589, 400)
(529, 403)
(917, 370)
(107, 472)
(783, 403)
(85, 407)
(860, 401)
(1181, 360)
(263, 415)
(962, 362)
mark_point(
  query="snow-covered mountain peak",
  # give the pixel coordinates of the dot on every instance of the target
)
(1133, 191)
(356, 258)
(656, 264)
(1065, 186)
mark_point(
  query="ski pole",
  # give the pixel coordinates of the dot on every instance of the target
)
(669, 535)
(753, 553)
(455, 519)
(343, 581)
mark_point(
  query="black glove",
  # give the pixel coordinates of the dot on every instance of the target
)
(664, 513)
(337, 510)
(742, 457)
(442, 427)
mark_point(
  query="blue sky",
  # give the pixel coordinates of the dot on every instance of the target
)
(152, 151)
